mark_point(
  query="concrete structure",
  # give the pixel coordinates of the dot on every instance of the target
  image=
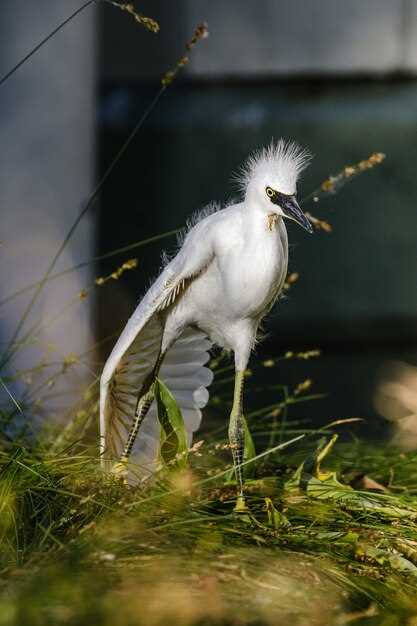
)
(269, 38)
(47, 113)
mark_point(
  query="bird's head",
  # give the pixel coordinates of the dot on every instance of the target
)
(268, 180)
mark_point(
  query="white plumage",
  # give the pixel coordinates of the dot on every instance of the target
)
(229, 271)
(287, 159)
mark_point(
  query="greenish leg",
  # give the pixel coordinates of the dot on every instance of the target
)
(120, 468)
(140, 413)
(237, 438)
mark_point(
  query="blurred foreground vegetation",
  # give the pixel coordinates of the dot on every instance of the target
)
(331, 538)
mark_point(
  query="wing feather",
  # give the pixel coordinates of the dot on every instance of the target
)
(136, 352)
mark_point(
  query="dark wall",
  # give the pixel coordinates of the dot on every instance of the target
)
(355, 283)
(356, 296)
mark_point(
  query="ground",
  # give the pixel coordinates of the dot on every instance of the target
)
(331, 538)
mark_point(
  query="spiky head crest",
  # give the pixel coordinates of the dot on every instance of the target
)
(278, 165)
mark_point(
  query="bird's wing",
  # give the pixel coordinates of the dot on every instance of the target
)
(185, 374)
(134, 356)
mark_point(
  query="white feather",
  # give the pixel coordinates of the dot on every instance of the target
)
(189, 392)
(195, 218)
(281, 162)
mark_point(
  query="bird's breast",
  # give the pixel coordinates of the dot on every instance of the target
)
(254, 271)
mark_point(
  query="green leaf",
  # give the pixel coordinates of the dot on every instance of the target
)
(275, 518)
(309, 474)
(310, 480)
(174, 445)
(249, 452)
(386, 558)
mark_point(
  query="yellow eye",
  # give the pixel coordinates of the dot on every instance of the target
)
(270, 192)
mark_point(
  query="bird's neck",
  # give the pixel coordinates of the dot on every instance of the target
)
(256, 205)
(259, 218)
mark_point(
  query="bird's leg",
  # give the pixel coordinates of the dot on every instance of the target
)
(237, 438)
(142, 407)
(145, 399)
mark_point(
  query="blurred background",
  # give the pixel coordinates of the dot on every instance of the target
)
(338, 77)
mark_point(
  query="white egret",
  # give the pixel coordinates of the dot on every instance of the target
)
(227, 274)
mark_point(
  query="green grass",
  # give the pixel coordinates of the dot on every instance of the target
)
(79, 547)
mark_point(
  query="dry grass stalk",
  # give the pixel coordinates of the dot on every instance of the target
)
(201, 32)
(331, 184)
(148, 22)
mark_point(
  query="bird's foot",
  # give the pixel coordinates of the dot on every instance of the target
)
(240, 506)
(120, 471)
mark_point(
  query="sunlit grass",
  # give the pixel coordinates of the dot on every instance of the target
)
(80, 547)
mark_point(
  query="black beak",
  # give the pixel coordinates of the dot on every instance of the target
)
(292, 210)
